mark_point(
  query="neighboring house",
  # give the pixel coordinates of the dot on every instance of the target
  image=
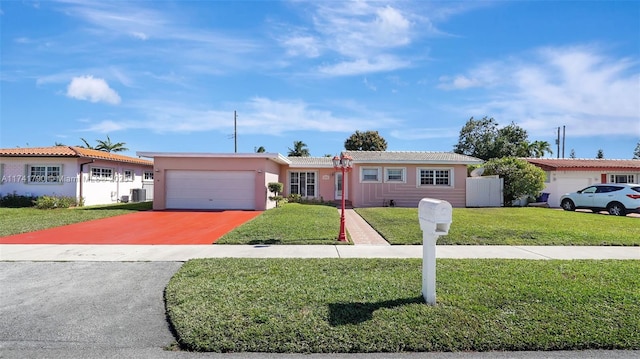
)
(239, 180)
(97, 177)
(570, 175)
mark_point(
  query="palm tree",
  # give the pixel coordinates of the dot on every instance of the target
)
(539, 148)
(299, 150)
(86, 144)
(108, 146)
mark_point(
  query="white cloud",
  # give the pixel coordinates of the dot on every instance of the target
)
(139, 35)
(364, 66)
(580, 87)
(92, 89)
(306, 46)
(258, 115)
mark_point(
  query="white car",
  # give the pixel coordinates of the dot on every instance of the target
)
(616, 198)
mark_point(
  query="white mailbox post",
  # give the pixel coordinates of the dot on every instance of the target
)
(435, 218)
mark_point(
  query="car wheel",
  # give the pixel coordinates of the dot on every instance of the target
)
(568, 205)
(616, 209)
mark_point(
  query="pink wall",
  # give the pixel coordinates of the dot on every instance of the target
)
(325, 181)
(261, 166)
(406, 194)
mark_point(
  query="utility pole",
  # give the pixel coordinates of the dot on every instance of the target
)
(563, 137)
(558, 143)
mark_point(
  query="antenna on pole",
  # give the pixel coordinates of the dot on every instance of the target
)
(563, 136)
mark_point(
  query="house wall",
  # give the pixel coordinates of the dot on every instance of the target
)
(105, 191)
(407, 194)
(325, 181)
(272, 174)
(14, 177)
(561, 182)
(94, 192)
(261, 166)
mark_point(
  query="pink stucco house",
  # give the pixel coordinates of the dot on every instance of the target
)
(239, 180)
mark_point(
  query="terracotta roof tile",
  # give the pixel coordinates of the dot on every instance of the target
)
(70, 151)
(582, 164)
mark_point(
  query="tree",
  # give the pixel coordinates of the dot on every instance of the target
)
(59, 144)
(477, 138)
(520, 177)
(600, 154)
(512, 140)
(537, 149)
(299, 150)
(636, 152)
(572, 154)
(365, 141)
(260, 149)
(108, 146)
(86, 144)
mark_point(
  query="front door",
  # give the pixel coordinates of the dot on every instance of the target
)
(338, 185)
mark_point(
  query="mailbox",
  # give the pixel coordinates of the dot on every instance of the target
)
(435, 219)
(435, 216)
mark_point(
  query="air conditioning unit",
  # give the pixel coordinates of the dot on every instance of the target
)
(138, 195)
(124, 199)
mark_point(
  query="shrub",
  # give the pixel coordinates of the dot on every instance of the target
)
(12, 200)
(51, 202)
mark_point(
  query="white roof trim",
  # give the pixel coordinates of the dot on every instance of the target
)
(276, 157)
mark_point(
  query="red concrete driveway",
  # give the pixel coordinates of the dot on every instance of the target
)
(149, 227)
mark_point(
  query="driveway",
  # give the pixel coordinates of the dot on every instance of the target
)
(149, 227)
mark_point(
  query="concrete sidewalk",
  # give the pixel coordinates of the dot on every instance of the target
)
(179, 253)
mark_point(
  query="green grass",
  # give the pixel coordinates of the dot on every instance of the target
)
(509, 226)
(291, 223)
(374, 305)
(22, 220)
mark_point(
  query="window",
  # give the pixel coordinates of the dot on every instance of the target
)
(622, 179)
(369, 174)
(147, 176)
(435, 177)
(45, 174)
(394, 174)
(128, 175)
(101, 173)
(303, 183)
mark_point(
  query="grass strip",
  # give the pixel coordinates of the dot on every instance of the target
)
(22, 220)
(292, 223)
(374, 305)
(509, 226)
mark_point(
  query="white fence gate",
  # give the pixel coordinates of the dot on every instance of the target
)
(485, 191)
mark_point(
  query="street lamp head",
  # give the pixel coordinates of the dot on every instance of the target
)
(347, 161)
(336, 162)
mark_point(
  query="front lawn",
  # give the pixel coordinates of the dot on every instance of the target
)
(374, 305)
(22, 220)
(292, 223)
(509, 226)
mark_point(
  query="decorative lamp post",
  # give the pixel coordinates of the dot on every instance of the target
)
(342, 164)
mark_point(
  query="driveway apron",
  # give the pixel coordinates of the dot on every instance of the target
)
(149, 227)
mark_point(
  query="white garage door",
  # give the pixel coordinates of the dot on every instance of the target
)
(210, 189)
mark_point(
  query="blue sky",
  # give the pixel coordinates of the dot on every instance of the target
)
(168, 75)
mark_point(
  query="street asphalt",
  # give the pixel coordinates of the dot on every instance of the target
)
(75, 302)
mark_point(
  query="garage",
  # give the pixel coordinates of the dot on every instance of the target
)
(193, 189)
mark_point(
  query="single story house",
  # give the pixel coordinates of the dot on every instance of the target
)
(566, 175)
(97, 177)
(239, 180)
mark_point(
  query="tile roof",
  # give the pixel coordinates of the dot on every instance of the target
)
(310, 162)
(582, 164)
(411, 157)
(70, 151)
